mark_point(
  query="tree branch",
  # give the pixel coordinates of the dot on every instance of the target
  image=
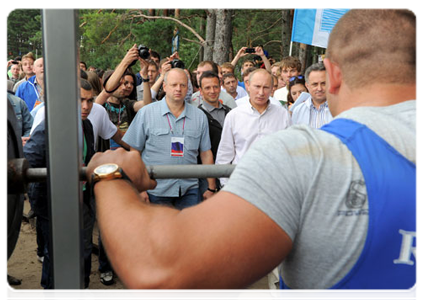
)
(192, 41)
(110, 33)
(272, 41)
(202, 41)
(267, 29)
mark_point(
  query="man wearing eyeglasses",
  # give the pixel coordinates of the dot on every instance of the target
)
(314, 111)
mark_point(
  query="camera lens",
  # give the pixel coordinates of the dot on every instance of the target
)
(176, 63)
(143, 52)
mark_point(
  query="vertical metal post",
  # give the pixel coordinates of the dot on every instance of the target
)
(64, 133)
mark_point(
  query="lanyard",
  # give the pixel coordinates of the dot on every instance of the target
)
(170, 126)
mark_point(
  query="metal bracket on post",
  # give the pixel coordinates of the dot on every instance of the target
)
(64, 136)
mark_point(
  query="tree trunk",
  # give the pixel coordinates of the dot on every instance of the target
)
(210, 33)
(223, 36)
(286, 32)
(303, 57)
(203, 21)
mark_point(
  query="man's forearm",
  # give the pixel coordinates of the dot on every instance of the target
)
(153, 246)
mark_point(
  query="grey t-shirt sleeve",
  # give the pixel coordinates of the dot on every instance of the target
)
(267, 177)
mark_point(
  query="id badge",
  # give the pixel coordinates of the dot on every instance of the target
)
(177, 147)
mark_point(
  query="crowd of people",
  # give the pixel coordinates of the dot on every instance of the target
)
(172, 116)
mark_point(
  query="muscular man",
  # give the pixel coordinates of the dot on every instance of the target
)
(336, 206)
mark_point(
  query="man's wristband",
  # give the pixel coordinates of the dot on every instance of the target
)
(213, 191)
(145, 80)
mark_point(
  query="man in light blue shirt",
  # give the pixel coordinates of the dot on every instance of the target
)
(169, 132)
(315, 110)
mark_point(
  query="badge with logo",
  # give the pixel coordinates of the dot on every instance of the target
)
(177, 147)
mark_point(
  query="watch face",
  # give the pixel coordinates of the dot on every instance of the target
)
(106, 169)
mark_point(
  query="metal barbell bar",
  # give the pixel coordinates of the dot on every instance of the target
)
(19, 174)
(155, 172)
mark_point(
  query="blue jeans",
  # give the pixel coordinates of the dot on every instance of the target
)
(192, 197)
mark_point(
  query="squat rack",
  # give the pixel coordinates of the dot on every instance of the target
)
(62, 88)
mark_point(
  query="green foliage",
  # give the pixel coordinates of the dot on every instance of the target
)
(23, 32)
(106, 35)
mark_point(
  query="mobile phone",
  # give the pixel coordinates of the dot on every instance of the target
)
(250, 50)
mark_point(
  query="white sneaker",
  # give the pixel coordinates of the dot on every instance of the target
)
(89, 295)
(40, 259)
(106, 278)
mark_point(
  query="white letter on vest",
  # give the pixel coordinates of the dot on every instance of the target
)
(406, 248)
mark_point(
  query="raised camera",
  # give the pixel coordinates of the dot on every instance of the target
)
(176, 63)
(143, 52)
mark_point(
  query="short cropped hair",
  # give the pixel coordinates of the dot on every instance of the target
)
(155, 54)
(228, 65)
(249, 71)
(228, 75)
(174, 70)
(85, 84)
(152, 63)
(375, 46)
(314, 67)
(259, 70)
(209, 74)
(211, 63)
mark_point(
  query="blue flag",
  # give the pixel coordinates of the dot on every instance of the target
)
(313, 26)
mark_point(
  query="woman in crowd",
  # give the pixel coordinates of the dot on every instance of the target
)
(295, 87)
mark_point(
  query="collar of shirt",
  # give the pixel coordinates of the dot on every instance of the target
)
(254, 110)
(211, 108)
(185, 113)
(309, 104)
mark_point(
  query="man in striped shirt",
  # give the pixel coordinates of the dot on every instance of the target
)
(315, 110)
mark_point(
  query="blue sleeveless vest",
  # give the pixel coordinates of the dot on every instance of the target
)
(388, 259)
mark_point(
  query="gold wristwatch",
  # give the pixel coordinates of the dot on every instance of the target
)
(108, 172)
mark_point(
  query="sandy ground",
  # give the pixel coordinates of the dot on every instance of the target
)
(23, 263)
